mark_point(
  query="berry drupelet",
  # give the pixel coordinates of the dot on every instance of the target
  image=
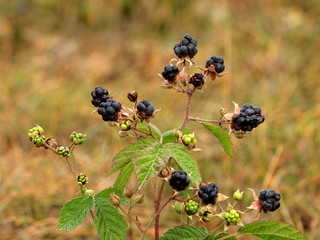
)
(217, 62)
(99, 95)
(248, 118)
(187, 47)
(191, 207)
(109, 110)
(145, 108)
(269, 200)
(197, 80)
(179, 180)
(170, 72)
(208, 193)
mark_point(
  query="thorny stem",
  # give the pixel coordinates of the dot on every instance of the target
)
(207, 120)
(70, 167)
(131, 218)
(215, 230)
(156, 209)
(187, 117)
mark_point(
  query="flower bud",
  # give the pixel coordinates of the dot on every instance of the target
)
(40, 129)
(178, 207)
(127, 192)
(132, 96)
(88, 192)
(177, 133)
(139, 198)
(115, 200)
(237, 195)
(164, 173)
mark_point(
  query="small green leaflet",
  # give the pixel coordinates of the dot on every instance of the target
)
(222, 136)
(110, 224)
(74, 212)
(270, 230)
(186, 161)
(124, 177)
(185, 232)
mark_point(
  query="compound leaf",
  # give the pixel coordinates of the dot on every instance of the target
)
(125, 156)
(269, 230)
(74, 212)
(110, 224)
(148, 162)
(185, 232)
(222, 136)
(185, 160)
(155, 130)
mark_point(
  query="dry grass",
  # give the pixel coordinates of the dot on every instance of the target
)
(53, 53)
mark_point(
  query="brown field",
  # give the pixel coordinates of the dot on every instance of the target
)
(53, 53)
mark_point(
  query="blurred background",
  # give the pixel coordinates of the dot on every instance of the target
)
(53, 53)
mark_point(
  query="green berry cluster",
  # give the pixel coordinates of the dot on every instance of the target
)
(77, 138)
(191, 207)
(189, 140)
(125, 125)
(63, 151)
(35, 135)
(232, 217)
(82, 179)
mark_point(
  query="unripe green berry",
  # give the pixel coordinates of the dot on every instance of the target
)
(237, 195)
(123, 127)
(187, 140)
(191, 207)
(88, 192)
(128, 123)
(82, 179)
(63, 151)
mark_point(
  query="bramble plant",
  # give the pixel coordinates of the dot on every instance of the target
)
(152, 158)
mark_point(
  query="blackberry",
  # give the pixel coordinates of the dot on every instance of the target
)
(170, 72)
(191, 207)
(269, 200)
(179, 180)
(187, 47)
(109, 110)
(217, 62)
(99, 95)
(145, 109)
(208, 193)
(82, 179)
(197, 80)
(249, 117)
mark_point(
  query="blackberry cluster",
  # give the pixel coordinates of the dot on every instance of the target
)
(232, 217)
(187, 47)
(145, 107)
(270, 200)
(99, 95)
(208, 193)
(109, 110)
(170, 72)
(179, 180)
(191, 207)
(248, 118)
(217, 62)
(82, 179)
(197, 80)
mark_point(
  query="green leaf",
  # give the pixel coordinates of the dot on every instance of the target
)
(155, 131)
(222, 136)
(124, 177)
(221, 235)
(74, 212)
(185, 160)
(269, 230)
(110, 224)
(105, 195)
(149, 161)
(125, 156)
(185, 232)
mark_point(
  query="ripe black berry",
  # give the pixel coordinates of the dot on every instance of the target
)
(270, 200)
(187, 47)
(208, 193)
(217, 62)
(197, 80)
(179, 180)
(248, 118)
(145, 109)
(170, 72)
(99, 95)
(109, 110)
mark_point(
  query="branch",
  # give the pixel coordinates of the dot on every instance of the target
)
(187, 117)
